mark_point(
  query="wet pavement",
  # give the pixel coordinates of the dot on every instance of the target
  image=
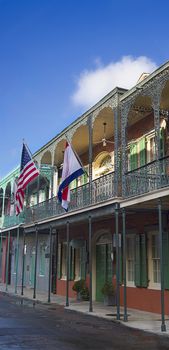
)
(25, 324)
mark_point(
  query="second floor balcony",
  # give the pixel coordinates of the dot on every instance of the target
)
(100, 190)
(150, 177)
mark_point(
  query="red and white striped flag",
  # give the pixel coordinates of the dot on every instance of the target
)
(28, 172)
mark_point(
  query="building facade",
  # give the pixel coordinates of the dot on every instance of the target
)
(116, 228)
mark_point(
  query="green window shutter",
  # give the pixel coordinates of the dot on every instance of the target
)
(133, 156)
(83, 261)
(59, 269)
(162, 142)
(166, 259)
(73, 184)
(137, 262)
(71, 263)
(84, 178)
(121, 265)
(143, 251)
(142, 149)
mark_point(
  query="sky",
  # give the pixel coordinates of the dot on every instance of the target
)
(59, 57)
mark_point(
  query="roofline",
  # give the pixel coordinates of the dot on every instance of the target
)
(146, 80)
(112, 93)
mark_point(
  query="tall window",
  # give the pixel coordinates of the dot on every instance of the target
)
(130, 259)
(155, 258)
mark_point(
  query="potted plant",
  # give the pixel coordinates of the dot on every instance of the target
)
(108, 291)
(84, 293)
(78, 287)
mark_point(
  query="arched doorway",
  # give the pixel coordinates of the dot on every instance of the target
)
(105, 267)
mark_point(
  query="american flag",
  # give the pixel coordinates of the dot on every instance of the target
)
(28, 172)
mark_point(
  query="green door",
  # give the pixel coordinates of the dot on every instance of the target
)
(103, 268)
(32, 267)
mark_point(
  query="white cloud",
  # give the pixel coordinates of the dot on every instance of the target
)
(92, 85)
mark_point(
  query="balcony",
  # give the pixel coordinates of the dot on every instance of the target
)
(150, 177)
(102, 189)
(10, 221)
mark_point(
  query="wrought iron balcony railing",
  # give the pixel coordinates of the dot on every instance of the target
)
(147, 178)
(102, 189)
(10, 221)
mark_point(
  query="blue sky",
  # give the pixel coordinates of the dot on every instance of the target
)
(58, 57)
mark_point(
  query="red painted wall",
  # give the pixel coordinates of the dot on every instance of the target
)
(145, 299)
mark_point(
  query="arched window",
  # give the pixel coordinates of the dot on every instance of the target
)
(106, 161)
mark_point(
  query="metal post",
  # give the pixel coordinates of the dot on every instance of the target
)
(1, 255)
(124, 263)
(7, 261)
(50, 263)
(56, 261)
(90, 157)
(36, 255)
(90, 265)
(163, 326)
(117, 261)
(116, 152)
(38, 188)
(23, 262)
(17, 258)
(67, 272)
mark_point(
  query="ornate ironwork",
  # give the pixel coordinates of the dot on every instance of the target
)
(102, 190)
(147, 178)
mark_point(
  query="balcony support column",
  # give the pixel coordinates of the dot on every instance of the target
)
(116, 151)
(1, 255)
(3, 204)
(163, 326)
(124, 263)
(23, 262)
(7, 261)
(90, 266)
(90, 127)
(117, 260)
(124, 157)
(36, 256)
(67, 269)
(50, 263)
(17, 258)
(156, 107)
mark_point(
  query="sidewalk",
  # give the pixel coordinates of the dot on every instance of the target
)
(136, 319)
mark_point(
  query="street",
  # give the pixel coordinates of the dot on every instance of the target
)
(25, 325)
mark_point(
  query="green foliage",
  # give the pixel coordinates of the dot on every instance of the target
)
(81, 289)
(84, 293)
(78, 285)
(108, 289)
